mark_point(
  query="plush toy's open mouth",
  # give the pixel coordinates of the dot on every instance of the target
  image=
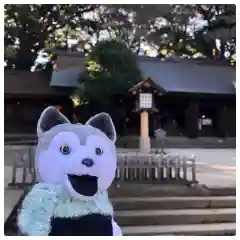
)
(85, 184)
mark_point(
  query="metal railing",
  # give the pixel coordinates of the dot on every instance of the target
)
(158, 168)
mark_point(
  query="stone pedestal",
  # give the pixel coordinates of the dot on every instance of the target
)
(144, 138)
(145, 145)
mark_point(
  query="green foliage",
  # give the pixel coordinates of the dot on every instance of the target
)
(31, 27)
(166, 26)
(112, 69)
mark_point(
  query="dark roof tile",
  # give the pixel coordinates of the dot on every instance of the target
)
(28, 83)
(190, 77)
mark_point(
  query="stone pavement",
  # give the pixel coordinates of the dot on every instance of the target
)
(169, 142)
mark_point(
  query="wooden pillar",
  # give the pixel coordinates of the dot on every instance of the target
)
(192, 117)
(231, 121)
(144, 124)
(222, 122)
(144, 130)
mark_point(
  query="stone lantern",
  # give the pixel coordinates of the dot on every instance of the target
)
(145, 92)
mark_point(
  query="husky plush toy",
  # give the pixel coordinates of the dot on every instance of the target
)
(75, 165)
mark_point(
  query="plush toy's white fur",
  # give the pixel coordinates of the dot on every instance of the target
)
(55, 195)
(51, 158)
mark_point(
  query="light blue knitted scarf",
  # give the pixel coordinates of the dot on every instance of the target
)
(45, 201)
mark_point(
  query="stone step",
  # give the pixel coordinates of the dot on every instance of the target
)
(220, 191)
(174, 217)
(143, 203)
(134, 189)
(120, 189)
(132, 221)
(184, 230)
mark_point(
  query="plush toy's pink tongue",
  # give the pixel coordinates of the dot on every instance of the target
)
(85, 184)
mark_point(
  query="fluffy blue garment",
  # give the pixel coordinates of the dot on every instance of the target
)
(47, 200)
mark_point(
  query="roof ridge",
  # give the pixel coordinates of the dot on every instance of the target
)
(173, 59)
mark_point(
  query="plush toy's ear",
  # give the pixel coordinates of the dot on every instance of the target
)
(49, 118)
(103, 122)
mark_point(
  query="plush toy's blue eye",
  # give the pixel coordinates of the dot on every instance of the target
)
(65, 149)
(99, 151)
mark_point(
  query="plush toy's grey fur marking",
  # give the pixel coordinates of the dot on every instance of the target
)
(49, 118)
(103, 122)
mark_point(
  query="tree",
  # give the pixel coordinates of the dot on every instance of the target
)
(28, 27)
(140, 21)
(187, 29)
(169, 29)
(220, 24)
(112, 69)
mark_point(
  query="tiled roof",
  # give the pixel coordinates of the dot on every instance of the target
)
(28, 83)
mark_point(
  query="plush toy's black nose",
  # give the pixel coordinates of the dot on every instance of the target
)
(87, 162)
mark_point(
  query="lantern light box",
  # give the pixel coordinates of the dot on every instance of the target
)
(145, 100)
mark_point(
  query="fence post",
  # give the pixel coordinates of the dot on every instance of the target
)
(14, 173)
(193, 168)
(155, 169)
(125, 169)
(170, 166)
(141, 170)
(135, 166)
(177, 174)
(30, 160)
(138, 164)
(167, 168)
(120, 162)
(184, 168)
(117, 174)
(161, 168)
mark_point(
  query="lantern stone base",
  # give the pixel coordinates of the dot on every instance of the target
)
(144, 145)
